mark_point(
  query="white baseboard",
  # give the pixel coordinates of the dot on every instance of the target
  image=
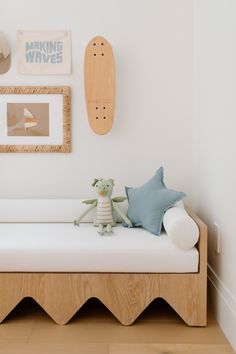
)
(223, 304)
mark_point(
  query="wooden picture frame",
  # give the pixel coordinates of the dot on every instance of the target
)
(35, 119)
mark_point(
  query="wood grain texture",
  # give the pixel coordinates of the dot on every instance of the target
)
(126, 295)
(99, 81)
(43, 90)
(93, 330)
(170, 349)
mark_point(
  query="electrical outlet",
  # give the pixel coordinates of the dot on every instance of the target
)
(217, 237)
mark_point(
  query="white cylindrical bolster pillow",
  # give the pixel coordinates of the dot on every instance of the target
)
(181, 228)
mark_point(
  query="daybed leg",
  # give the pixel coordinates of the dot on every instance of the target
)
(197, 315)
(186, 294)
(10, 295)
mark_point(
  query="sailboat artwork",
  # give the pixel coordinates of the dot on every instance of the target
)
(29, 120)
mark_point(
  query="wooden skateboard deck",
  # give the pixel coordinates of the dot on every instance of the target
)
(99, 80)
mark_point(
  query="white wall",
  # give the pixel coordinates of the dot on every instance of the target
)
(215, 151)
(153, 47)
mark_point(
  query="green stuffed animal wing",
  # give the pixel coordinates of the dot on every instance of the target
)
(118, 199)
(90, 201)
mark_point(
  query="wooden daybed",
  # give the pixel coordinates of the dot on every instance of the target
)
(126, 295)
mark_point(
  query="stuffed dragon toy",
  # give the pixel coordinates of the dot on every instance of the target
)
(106, 207)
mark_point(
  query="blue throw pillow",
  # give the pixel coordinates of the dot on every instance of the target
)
(147, 204)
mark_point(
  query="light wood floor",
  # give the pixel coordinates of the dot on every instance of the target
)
(29, 330)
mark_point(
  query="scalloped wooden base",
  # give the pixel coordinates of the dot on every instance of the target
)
(126, 295)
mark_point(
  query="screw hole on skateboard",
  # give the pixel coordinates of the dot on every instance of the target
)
(94, 55)
(102, 54)
(96, 107)
(102, 43)
(104, 117)
(104, 107)
(94, 43)
(96, 117)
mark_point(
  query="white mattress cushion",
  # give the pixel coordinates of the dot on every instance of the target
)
(62, 247)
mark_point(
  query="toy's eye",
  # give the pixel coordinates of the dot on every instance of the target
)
(108, 185)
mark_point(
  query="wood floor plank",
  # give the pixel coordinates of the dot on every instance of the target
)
(29, 330)
(55, 348)
(93, 331)
(16, 331)
(170, 349)
(95, 324)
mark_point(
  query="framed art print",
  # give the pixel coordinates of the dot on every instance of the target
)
(35, 119)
